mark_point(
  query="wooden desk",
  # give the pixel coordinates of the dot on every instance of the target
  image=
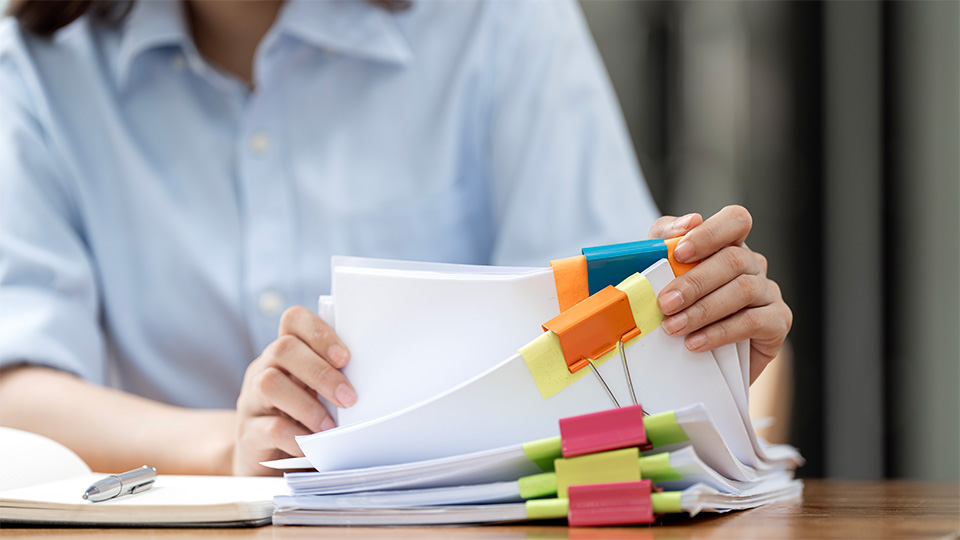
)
(829, 509)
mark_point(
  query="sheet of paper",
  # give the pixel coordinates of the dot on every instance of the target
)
(27, 458)
(500, 407)
(670, 360)
(419, 266)
(413, 334)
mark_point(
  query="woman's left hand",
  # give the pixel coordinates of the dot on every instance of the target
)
(727, 297)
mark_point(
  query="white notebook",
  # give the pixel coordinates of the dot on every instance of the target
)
(41, 482)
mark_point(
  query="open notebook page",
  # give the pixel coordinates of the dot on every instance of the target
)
(27, 458)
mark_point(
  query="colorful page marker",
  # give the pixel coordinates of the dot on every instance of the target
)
(622, 503)
(615, 466)
(607, 265)
(602, 431)
(593, 327)
(545, 357)
(663, 429)
(679, 268)
(570, 278)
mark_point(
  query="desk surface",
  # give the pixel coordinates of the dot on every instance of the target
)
(829, 509)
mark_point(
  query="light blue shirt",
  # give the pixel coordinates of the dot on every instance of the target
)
(157, 215)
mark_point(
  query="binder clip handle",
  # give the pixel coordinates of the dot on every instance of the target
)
(593, 327)
(623, 503)
(602, 431)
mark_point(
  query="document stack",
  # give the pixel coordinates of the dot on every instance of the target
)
(453, 426)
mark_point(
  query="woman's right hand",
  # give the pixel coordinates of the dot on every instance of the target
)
(278, 397)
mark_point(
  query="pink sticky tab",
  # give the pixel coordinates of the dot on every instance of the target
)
(605, 430)
(624, 503)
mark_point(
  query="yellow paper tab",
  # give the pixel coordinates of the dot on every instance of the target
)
(544, 356)
(602, 468)
(643, 303)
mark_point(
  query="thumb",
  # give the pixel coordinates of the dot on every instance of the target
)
(672, 227)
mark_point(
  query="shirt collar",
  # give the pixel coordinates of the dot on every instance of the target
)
(350, 27)
(150, 24)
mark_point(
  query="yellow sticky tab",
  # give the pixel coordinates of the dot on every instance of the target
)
(602, 468)
(544, 356)
(643, 303)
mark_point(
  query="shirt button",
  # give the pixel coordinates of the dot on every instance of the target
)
(259, 143)
(270, 303)
(179, 62)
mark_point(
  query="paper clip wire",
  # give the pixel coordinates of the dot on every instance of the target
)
(596, 371)
(626, 372)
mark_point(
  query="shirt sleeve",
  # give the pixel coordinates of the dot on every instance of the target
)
(563, 170)
(48, 292)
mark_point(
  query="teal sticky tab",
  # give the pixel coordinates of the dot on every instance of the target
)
(547, 508)
(609, 265)
(543, 452)
(667, 502)
(663, 429)
(657, 468)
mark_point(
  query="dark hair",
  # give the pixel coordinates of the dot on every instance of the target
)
(45, 17)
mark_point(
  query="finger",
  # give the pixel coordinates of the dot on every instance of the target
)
(295, 357)
(729, 226)
(275, 432)
(279, 391)
(672, 227)
(746, 290)
(708, 276)
(766, 326)
(310, 328)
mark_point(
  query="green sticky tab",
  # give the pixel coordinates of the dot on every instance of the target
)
(547, 508)
(667, 502)
(601, 468)
(544, 451)
(663, 429)
(538, 485)
(657, 468)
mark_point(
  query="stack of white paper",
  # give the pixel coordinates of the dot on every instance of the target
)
(424, 341)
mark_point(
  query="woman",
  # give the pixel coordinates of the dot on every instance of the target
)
(173, 181)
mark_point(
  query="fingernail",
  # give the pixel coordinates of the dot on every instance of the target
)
(696, 341)
(684, 252)
(675, 324)
(346, 396)
(337, 355)
(327, 423)
(684, 221)
(670, 301)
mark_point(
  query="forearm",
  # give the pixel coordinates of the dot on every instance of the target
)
(113, 430)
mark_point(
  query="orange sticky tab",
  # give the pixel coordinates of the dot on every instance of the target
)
(570, 278)
(593, 327)
(679, 268)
